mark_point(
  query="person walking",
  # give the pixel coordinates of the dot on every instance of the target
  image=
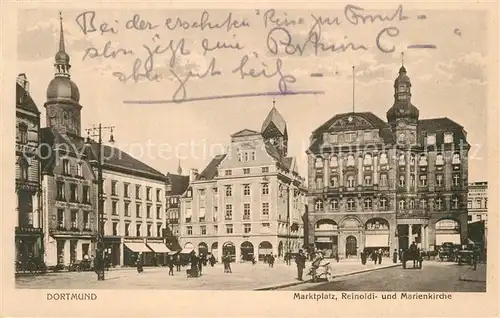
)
(271, 260)
(138, 263)
(395, 256)
(170, 261)
(379, 255)
(194, 265)
(363, 257)
(200, 265)
(300, 260)
(177, 261)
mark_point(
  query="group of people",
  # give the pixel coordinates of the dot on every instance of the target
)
(375, 256)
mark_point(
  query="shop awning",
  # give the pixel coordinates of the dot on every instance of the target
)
(444, 238)
(158, 247)
(376, 240)
(187, 250)
(138, 247)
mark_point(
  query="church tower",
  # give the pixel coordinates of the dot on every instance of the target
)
(63, 109)
(274, 131)
(403, 116)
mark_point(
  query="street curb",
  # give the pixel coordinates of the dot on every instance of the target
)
(333, 277)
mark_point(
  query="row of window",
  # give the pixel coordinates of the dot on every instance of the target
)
(383, 204)
(228, 215)
(383, 160)
(66, 164)
(22, 132)
(138, 210)
(229, 172)
(247, 155)
(138, 191)
(478, 204)
(138, 229)
(74, 193)
(350, 137)
(74, 220)
(351, 180)
(247, 228)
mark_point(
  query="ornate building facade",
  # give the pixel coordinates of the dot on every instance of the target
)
(376, 184)
(68, 180)
(249, 202)
(177, 185)
(28, 226)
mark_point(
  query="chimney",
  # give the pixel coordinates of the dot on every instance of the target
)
(23, 81)
(193, 174)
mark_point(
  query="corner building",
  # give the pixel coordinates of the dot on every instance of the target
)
(249, 202)
(376, 184)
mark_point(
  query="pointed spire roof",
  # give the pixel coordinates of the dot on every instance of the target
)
(274, 117)
(179, 168)
(62, 58)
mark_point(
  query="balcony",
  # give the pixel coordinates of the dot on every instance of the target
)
(28, 230)
(412, 213)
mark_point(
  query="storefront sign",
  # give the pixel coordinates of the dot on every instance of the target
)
(378, 240)
(28, 230)
(324, 239)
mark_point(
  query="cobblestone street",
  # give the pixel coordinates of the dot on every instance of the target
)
(245, 276)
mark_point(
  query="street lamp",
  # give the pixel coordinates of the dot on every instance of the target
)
(94, 132)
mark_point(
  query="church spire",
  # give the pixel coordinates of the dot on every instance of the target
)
(62, 58)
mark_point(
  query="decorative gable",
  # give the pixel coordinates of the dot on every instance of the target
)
(350, 122)
(244, 133)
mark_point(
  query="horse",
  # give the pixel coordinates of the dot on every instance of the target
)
(414, 256)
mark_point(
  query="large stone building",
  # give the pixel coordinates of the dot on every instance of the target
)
(249, 202)
(177, 185)
(477, 203)
(28, 220)
(376, 184)
(68, 180)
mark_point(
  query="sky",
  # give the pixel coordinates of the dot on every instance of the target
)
(449, 80)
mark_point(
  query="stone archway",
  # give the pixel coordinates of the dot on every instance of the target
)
(228, 248)
(214, 249)
(246, 251)
(447, 231)
(351, 246)
(377, 235)
(265, 248)
(202, 248)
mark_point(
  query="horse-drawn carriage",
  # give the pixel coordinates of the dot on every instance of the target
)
(412, 255)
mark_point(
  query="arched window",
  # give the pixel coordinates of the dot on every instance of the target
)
(334, 162)
(383, 203)
(350, 161)
(455, 159)
(423, 203)
(351, 204)
(411, 204)
(402, 204)
(23, 133)
(383, 158)
(455, 202)
(334, 204)
(439, 160)
(351, 181)
(423, 160)
(402, 180)
(319, 205)
(412, 159)
(438, 204)
(401, 159)
(23, 166)
(319, 163)
(367, 161)
(368, 203)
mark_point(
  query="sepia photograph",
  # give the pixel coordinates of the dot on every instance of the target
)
(254, 149)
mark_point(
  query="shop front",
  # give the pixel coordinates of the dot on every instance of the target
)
(112, 248)
(160, 251)
(326, 237)
(28, 244)
(447, 231)
(135, 248)
(377, 236)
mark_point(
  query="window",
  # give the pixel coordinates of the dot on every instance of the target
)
(402, 181)
(216, 229)
(318, 164)
(455, 160)
(189, 230)
(246, 211)
(448, 138)
(351, 205)
(478, 203)
(265, 188)
(367, 136)
(60, 218)
(469, 204)
(148, 193)
(79, 169)
(319, 205)
(412, 180)
(412, 159)
(368, 180)
(148, 211)
(265, 209)
(86, 194)
(334, 162)
(66, 166)
(74, 219)
(383, 203)
(368, 204)
(138, 210)
(246, 170)
(383, 179)
(411, 204)
(138, 229)
(350, 161)
(113, 187)
(334, 204)
(455, 203)
(350, 137)
(247, 228)
(23, 134)
(60, 191)
(114, 207)
(439, 180)
(383, 158)
(350, 182)
(431, 139)
(228, 172)
(423, 180)
(23, 164)
(127, 229)
(246, 189)
(229, 191)
(126, 193)
(229, 212)
(149, 230)
(73, 192)
(158, 212)
(423, 203)
(137, 191)
(203, 230)
(334, 181)
(423, 160)
(439, 204)
(158, 194)
(115, 228)
(401, 159)
(456, 179)
(402, 204)
(469, 218)
(485, 203)
(158, 230)
(229, 228)
(126, 208)
(319, 183)
(86, 223)
(265, 169)
(367, 161)
(439, 160)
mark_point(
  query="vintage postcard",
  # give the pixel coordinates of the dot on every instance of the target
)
(172, 159)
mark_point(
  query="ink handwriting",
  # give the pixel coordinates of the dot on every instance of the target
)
(205, 23)
(180, 93)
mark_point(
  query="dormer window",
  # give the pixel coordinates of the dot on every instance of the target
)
(423, 160)
(431, 139)
(439, 160)
(448, 138)
(367, 161)
(350, 161)
(383, 158)
(455, 159)
(319, 163)
(334, 162)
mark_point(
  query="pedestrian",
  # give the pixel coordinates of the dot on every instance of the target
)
(177, 261)
(193, 272)
(138, 263)
(337, 257)
(400, 255)
(253, 260)
(300, 260)
(212, 260)
(395, 256)
(374, 256)
(200, 265)
(271, 260)
(170, 261)
(228, 260)
(379, 254)
(363, 257)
